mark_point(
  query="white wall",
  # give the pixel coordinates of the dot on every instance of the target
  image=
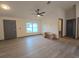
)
(77, 15)
(70, 13)
(77, 10)
(20, 26)
(50, 21)
(1, 30)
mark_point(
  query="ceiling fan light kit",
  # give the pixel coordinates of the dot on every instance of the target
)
(38, 15)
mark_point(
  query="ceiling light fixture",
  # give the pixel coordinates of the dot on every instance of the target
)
(5, 7)
(38, 15)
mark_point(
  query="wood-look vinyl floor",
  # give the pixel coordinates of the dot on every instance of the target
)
(39, 47)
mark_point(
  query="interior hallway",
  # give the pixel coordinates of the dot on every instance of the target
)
(39, 47)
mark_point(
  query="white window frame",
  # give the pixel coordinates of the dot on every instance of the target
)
(31, 27)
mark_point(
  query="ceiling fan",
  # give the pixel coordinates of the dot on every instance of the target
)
(38, 13)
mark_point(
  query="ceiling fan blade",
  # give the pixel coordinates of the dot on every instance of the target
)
(41, 15)
(42, 12)
(37, 10)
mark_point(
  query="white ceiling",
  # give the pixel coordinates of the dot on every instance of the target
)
(25, 9)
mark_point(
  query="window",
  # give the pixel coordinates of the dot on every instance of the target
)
(31, 27)
(35, 27)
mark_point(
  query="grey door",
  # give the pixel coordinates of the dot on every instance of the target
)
(9, 29)
(71, 28)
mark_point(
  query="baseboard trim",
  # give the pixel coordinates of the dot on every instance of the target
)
(29, 35)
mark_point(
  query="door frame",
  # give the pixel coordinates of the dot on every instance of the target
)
(60, 33)
(77, 29)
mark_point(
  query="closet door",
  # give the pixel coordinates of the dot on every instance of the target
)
(9, 29)
(71, 28)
